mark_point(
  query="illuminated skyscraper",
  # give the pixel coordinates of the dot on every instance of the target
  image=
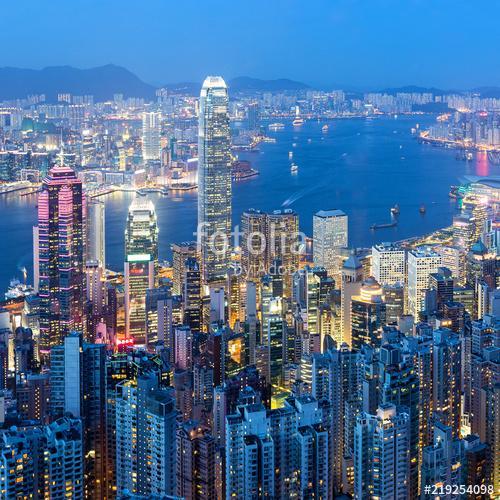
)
(381, 464)
(421, 263)
(214, 179)
(61, 222)
(96, 234)
(141, 259)
(151, 128)
(270, 245)
(330, 235)
(368, 315)
(283, 244)
(388, 264)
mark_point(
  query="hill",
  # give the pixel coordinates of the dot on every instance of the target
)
(101, 82)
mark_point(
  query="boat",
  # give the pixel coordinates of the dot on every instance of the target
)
(294, 145)
(373, 227)
(465, 156)
(141, 192)
(395, 209)
(422, 209)
(276, 126)
(309, 141)
(324, 128)
(290, 155)
(298, 121)
(294, 168)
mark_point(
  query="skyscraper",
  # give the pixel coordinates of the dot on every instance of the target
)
(421, 263)
(214, 179)
(61, 222)
(96, 233)
(141, 259)
(388, 264)
(381, 463)
(196, 462)
(368, 315)
(329, 235)
(151, 146)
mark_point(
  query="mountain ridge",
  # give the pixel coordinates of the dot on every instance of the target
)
(104, 81)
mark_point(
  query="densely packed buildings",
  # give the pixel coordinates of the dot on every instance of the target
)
(236, 370)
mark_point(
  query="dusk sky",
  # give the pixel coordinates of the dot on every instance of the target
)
(357, 43)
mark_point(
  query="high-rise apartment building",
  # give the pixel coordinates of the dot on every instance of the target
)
(151, 135)
(381, 458)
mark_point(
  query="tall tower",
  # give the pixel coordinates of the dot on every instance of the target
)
(151, 145)
(329, 235)
(421, 263)
(141, 259)
(96, 232)
(60, 245)
(214, 179)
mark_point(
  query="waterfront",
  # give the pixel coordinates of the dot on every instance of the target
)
(360, 166)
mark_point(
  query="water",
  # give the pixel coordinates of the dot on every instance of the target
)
(360, 166)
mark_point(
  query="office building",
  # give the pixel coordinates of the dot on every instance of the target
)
(421, 263)
(388, 264)
(330, 234)
(141, 261)
(60, 245)
(214, 179)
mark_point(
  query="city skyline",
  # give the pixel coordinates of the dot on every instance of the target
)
(294, 41)
(279, 294)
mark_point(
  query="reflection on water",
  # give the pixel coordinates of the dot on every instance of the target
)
(356, 167)
(482, 164)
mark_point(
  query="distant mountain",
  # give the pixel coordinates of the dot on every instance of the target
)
(415, 89)
(493, 92)
(483, 91)
(101, 82)
(241, 84)
(246, 83)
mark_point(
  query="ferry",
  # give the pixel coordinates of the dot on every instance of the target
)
(276, 126)
(294, 168)
(298, 122)
(383, 226)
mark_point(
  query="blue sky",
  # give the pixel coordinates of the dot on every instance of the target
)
(360, 43)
